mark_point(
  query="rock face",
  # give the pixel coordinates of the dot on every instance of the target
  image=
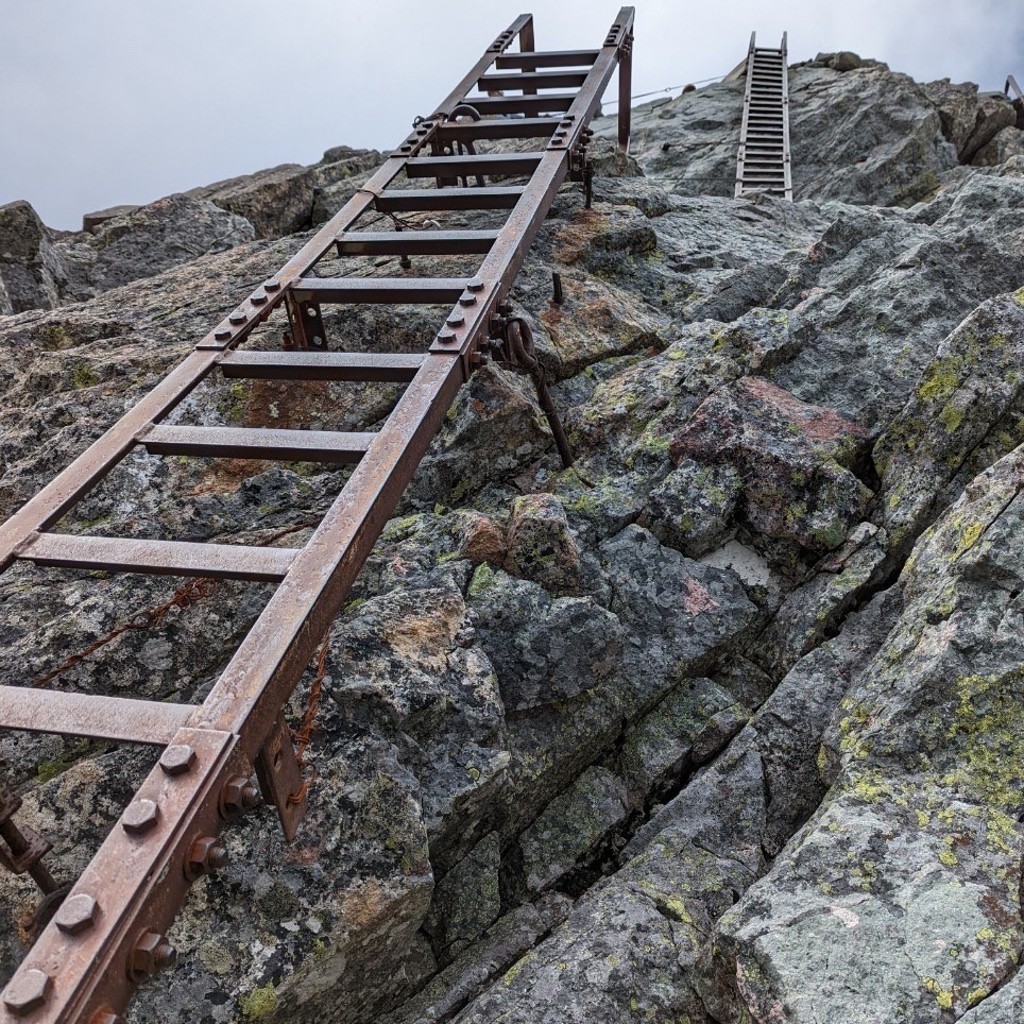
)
(31, 273)
(724, 724)
(41, 269)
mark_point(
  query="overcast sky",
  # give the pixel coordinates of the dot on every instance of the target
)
(124, 101)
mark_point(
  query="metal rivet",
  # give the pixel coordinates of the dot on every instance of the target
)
(237, 318)
(27, 991)
(475, 284)
(446, 337)
(140, 817)
(76, 914)
(152, 953)
(222, 334)
(177, 759)
(272, 285)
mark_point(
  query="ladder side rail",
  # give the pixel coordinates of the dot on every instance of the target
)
(744, 124)
(787, 164)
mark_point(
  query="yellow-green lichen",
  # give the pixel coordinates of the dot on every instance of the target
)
(259, 1003)
(941, 379)
(83, 376)
(482, 581)
(943, 996)
(951, 417)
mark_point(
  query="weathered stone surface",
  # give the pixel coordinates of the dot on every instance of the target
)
(920, 834)
(541, 546)
(957, 104)
(281, 200)
(571, 826)
(467, 901)
(793, 459)
(995, 112)
(31, 272)
(693, 508)
(1006, 143)
(967, 400)
(165, 234)
(860, 135)
(91, 221)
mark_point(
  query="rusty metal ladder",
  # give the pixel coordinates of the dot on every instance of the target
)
(109, 932)
(763, 161)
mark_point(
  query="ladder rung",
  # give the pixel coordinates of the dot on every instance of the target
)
(244, 443)
(443, 290)
(548, 59)
(375, 366)
(160, 557)
(120, 719)
(456, 166)
(415, 243)
(409, 200)
(497, 128)
(523, 104)
(532, 80)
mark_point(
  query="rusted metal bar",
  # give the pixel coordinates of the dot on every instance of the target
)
(497, 128)
(625, 107)
(168, 835)
(548, 59)
(428, 290)
(529, 105)
(100, 718)
(415, 243)
(22, 849)
(409, 200)
(245, 443)
(337, 366)
(457, 166)
(160, 557)
(533, 80)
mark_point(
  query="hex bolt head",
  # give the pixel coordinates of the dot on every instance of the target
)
(76, 914)
(240, 795)
(177, 759)
(475, 284)
(139, 817)
(222, 334)
(206, 856)
(446, 337)
(456, 320)
(237, 318)
(27, 991)
(272, 285)
(152, 954)
(467, 300)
